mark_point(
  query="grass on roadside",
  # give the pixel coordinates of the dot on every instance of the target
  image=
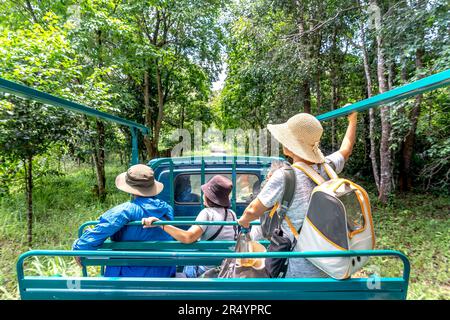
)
(61, 204)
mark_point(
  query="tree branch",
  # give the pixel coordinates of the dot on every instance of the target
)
(322, 24)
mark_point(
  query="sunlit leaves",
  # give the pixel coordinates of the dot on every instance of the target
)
(28, 128)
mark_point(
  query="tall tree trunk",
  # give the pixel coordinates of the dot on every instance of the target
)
(99, 160)
(160, 108)
(99, 145)
(390, 84)
(334, 86)
(318, 93)
(391, 75)
(306, 97)
(373, 155)
(149, 145)
(405, 182)
(29, 194)
(152, 142)
(385, 152)
(158, 40)
(305, 48)
(366, 135)
(334, 105)
(373, 147)
(367, 73)
(31, 10)
(319, 71)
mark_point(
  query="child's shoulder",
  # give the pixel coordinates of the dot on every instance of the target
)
(214, 211)
(206, 213)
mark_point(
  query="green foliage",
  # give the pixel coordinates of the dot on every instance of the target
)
(29, 128)
(433, 163)
(286, 57)
(8, 170)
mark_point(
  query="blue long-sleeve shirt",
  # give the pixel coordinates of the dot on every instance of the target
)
(113, 224)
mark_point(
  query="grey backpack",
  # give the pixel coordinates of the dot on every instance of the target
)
(271, 226)
(272, 220)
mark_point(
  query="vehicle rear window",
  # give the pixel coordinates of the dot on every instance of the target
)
(187, 187)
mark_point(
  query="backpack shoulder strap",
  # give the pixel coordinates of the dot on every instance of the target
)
(235, 228)
(288, 195)
(220, 229)
(330, 171)
(289, 186)
(310, 172)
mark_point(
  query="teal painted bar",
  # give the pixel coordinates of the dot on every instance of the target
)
(248, 283)
(172, 245)
(234, 293)
(172, 223)
(429, 83)
(209, 289)
(102, 262)
(220, 283)
(172, 185)
(214, 159)
(202, 182)
(196, 223)
(233, 180)
(290, 254)
(134, 147)
(39, 96)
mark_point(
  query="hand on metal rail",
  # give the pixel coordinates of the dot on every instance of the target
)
(148, 222)
(243, 223)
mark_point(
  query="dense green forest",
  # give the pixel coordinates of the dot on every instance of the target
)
(155, 62)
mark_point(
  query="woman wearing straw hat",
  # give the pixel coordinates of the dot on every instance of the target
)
(217, 203)
(138, 181)
(300, 138)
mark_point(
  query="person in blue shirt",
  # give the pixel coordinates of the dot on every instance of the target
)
(139, 181)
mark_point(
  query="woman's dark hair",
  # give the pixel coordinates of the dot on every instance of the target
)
(211, 204)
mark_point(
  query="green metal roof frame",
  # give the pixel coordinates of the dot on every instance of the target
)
(429, 83)
(45, 98)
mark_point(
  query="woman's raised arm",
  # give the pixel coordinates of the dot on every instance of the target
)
(350, 136)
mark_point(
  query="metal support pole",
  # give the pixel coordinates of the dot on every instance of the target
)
(202, 181)
(233, 180)
(134, 146)
(171, 183)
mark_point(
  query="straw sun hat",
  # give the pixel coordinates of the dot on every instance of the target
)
(300, 134)
(140, 181)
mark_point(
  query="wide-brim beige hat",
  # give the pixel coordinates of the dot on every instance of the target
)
(301, 135)
(140, 181)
